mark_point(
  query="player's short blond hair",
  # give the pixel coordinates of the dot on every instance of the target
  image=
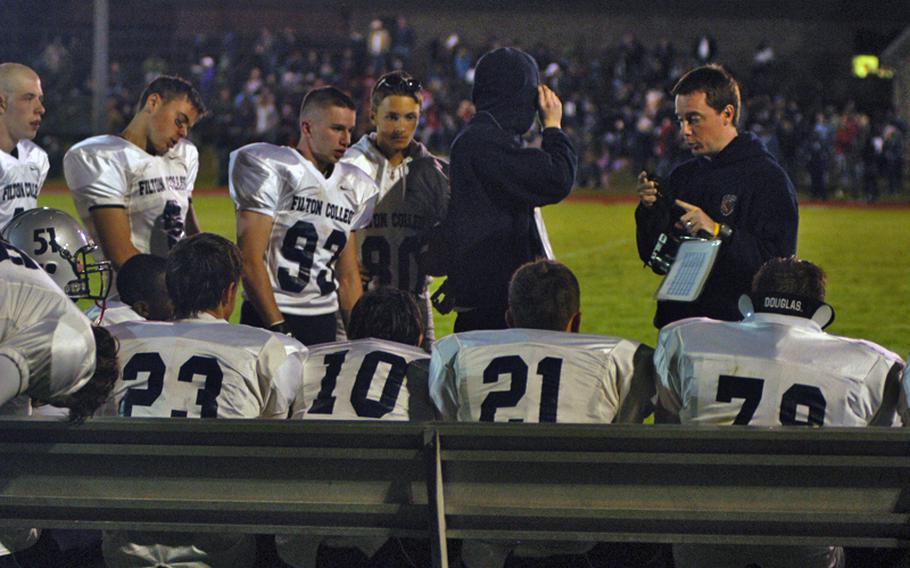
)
(324, 97)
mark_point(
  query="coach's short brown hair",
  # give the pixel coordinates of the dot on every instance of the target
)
(718, 85)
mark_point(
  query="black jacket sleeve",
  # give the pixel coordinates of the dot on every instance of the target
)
(530, 175)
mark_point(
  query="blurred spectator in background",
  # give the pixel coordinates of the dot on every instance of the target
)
(378, 43)
(606, 87)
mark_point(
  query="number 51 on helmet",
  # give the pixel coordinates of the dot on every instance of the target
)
(61, 246)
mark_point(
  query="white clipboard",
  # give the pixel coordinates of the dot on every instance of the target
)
(690, 270)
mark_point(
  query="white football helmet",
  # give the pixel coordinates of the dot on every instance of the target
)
(59, 244)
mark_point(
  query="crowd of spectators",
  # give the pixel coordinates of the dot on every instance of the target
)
(616, 104)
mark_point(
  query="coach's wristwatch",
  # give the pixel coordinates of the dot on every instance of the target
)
(725, 232)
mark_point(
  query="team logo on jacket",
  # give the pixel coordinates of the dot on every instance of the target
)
(727, 204)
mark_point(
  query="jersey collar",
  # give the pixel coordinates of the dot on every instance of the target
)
(787, 306)
(203, 317)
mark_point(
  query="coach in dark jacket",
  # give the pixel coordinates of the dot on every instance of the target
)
(496, 183)
(732, 190)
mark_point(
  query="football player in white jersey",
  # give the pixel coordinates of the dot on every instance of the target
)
(296, 208)
(379, 373)
(47, 346)
(200, 366)
(23, 165)
(776, 367)
(143, 294)
(413, 193)
(540, 370)
(49, 353)
(134, 191)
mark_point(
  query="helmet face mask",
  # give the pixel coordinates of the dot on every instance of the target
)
(59, 244)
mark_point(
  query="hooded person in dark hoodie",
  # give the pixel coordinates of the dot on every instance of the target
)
(733, 190)
(496, 183)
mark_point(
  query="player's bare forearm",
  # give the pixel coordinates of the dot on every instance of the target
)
(350, 286)
(113, 228)
(253, 231)
(192, 221)
(259, 291)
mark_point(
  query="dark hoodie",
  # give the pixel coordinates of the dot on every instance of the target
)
(743, 187)
(496, 183)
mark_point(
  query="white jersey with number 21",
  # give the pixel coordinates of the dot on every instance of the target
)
(528, 375)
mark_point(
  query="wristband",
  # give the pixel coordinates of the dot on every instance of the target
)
(716, 230)
(280, 327)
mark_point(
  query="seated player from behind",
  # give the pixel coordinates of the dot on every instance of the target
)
(383, 346)
(143, 293)
(234, 371)
(775, 367)
(541, 370)
(381, 356)
(296, 208)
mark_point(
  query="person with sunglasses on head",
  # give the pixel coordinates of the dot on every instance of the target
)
(413, 193)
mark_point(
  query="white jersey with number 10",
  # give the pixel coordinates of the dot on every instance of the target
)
(365, 379)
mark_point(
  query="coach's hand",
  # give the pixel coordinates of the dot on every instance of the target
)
(695, 221)
(550, 107)
(647, 189)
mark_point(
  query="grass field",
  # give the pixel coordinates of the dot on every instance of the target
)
(864, 251)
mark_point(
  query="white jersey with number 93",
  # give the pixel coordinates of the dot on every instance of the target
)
(313, 216)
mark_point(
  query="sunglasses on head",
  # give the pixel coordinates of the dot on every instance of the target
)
(399, 83)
